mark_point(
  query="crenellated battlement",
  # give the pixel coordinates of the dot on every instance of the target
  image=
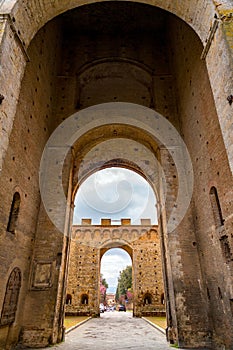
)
(109, 233)
(113, 222)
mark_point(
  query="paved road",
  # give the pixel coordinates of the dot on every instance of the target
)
(114, 331)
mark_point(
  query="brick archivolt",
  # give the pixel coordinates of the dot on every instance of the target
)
(29, 20)
(121, 152)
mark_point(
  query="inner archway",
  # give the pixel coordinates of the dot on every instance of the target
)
(88, 246)
(113, 262)
(138, 235)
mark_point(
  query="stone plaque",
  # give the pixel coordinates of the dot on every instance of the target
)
(42, 275)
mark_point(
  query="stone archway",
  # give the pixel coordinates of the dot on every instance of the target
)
(47, 93)
(123, 127)
(24, 19)
(25, 12)
(90, 242)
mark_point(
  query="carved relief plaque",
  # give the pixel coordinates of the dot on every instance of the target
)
(42, 275)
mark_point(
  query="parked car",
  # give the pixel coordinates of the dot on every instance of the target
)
(121, 308)
(101, 308)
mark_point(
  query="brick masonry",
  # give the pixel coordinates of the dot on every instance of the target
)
(90, 242)
(47, 73)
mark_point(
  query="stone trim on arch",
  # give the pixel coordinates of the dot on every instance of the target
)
(125, 114)
(29, 20)
(148, 168)
(126, 246)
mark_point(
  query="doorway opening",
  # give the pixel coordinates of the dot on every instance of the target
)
(115, 253)
(116, 283)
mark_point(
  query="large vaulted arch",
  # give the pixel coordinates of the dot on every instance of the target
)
(146, 85)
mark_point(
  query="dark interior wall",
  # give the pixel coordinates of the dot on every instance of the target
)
(111, 53)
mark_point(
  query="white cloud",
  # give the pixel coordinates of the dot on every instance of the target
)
(115, 193)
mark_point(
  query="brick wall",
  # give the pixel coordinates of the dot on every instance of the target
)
(90, 242)
(163, 72)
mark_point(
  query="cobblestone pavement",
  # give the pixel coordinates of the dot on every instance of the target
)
(114, 331)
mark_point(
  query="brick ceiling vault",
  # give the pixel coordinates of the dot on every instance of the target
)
(31, 15)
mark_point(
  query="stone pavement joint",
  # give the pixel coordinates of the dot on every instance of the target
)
(115, 331)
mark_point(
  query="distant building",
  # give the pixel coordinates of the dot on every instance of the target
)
(110, 299)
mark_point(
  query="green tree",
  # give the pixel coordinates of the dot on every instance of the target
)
(104, 282)
(124, 282)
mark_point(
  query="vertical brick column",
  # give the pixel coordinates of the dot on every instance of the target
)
(12, 62)
(184, 278)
